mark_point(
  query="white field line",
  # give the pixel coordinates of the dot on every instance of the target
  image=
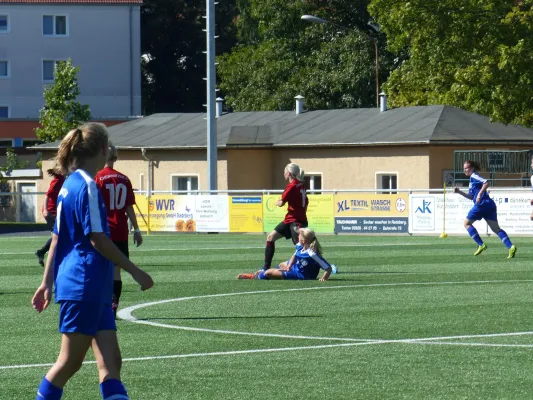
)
(127, 313)
(276, 350)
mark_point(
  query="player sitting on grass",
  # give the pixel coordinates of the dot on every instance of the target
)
(305, 263)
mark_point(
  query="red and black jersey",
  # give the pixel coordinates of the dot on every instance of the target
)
(53, 192)
(296, 197)
(117, 193)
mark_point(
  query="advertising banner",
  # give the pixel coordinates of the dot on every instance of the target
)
(371, 213)
(320, 213)
(272, 214)
(211, 213)
(246, 214)
(427, 214)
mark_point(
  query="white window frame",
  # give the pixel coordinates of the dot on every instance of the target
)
(55, 35)
(55, 66)
(311, 176)
(189, 190)
(380, 174)
(8, 23)
(141, 182)
(8, 70)
(8, 110)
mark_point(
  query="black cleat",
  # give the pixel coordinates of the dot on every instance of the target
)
(40, 256)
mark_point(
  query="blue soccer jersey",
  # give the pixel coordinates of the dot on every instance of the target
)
(476, 183)
(80, 272)
(308, 263)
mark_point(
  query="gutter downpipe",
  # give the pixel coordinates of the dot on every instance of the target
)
(131, 60)
(148, 188)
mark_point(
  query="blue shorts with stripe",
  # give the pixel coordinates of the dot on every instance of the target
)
(487, 211)
(85, 317)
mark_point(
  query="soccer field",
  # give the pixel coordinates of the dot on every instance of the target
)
(405, 318)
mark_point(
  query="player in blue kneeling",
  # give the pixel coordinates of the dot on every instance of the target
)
(305, 264)
(80, 267)
(484, 208)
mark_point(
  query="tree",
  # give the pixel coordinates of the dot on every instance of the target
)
(12, 163)
(280, 56)
(61, 111)
(173, 45)
(472, 54)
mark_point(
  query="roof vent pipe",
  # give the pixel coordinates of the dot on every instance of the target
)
(299, 104)
(382, 102)
(218, 109)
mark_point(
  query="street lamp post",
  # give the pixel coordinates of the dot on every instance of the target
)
(316, 20)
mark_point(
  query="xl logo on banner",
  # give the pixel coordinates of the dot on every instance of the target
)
(423, 217)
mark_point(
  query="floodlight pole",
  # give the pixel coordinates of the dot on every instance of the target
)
(316, 20)
(211, 94)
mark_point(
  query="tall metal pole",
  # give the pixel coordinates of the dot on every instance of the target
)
(211, 89)
(377, 71)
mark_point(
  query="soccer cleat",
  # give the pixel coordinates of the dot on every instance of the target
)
(334, 269)
(512, 251)
(246, 276)
(481, 249)
(40, 256)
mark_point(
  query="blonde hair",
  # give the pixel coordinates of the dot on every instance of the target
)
(112, 154)
(295, 171)
(310, 237)
(79, 145)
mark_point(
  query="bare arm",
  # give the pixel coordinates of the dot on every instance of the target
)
(464, 194)
(43, 295)
(103, 244)
(45, 211)
(137, 237)
(482, 191)
(326, 275)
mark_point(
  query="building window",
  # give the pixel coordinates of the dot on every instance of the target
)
(188, 183)
(4, 69)
(4, 23)
(49, 70)
(5, 198)
(54, 25)
(388, 183)
(313, 182)
(6, 143)
(4, 112)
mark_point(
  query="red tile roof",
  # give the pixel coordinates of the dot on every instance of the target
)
(70, 1)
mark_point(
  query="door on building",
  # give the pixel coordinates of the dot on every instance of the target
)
(28, 202)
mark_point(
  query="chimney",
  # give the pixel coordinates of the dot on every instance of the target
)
(299, 104)
(382, 102)
(218, 109)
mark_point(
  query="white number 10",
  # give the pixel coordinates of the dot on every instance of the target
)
(117, 198)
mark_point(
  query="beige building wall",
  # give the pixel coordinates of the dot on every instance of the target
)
(358, 167)
(250, 169)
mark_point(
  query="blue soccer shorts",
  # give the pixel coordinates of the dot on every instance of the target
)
(85, 317)
(292, 274)
(483, 211)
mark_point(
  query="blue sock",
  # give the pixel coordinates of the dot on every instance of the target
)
(261, 275)
(505, 239)
(474, 235)
(48, 391)
(113, 389)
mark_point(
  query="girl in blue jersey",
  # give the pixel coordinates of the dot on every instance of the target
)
(305, 264)
(484, 208)
(80, 267)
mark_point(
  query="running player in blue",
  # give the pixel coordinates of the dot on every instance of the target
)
(484, 208)
(305, 264)
(80, 267)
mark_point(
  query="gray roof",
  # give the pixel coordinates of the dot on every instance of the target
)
(345, 127)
